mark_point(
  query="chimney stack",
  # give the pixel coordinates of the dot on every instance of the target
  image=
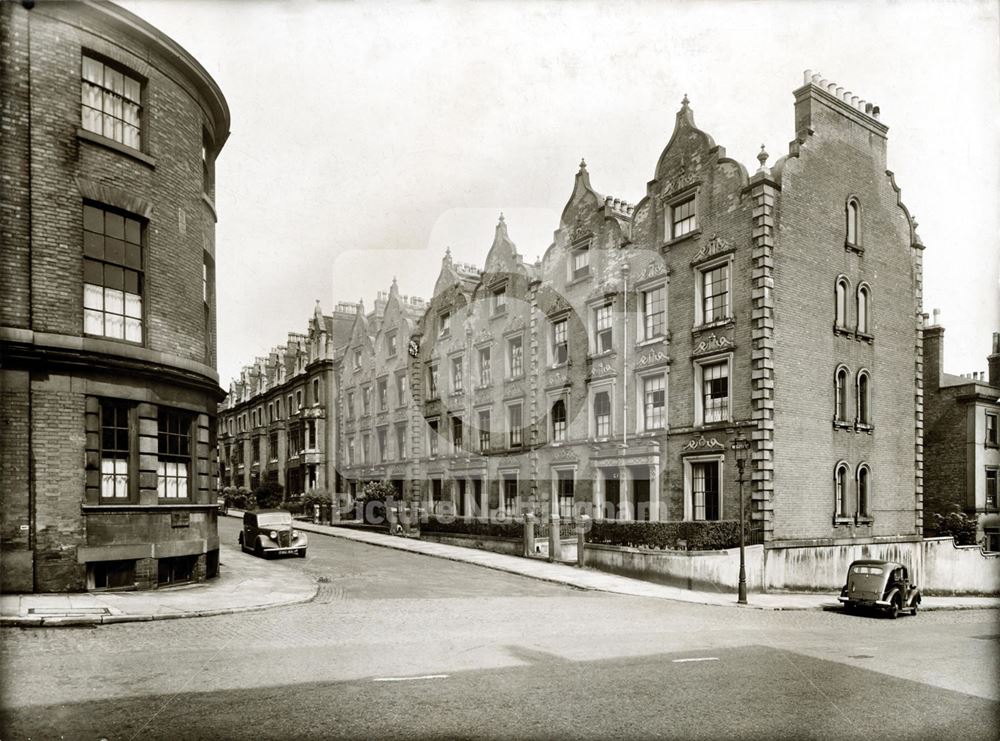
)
(933, 353)
(994, 361)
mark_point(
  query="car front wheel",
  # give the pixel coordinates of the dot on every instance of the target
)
(258, 551)
(302, 553)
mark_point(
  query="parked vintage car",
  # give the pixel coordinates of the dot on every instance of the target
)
(269, 532)
(881, 585)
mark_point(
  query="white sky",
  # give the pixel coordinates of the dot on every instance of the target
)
(367, 137)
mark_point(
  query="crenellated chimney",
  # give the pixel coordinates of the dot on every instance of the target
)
(994, 361)
(822, 105)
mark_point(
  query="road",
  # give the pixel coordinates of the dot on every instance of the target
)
(399, 645)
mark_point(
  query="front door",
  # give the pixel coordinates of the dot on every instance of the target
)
(460, 504)
(611, 491)
(640, 492)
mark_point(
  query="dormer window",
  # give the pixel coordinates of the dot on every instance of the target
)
(357, 360)
(444, 324)
(390, 344)
(580, 263)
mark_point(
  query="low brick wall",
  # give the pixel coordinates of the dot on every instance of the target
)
(482, 542)
(704, 570)
(823, 568)
(958, 569)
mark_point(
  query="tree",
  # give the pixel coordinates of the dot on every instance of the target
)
(958, 524)
(269, 495)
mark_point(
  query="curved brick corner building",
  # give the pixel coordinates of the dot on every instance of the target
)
(108, 388)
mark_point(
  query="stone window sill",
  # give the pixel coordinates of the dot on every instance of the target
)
(677, 240)
(841, 425)
(851, 247)
(114, 146)
(838, 521)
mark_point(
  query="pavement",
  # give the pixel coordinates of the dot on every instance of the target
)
(247, 583)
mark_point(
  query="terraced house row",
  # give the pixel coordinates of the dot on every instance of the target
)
(614, 373)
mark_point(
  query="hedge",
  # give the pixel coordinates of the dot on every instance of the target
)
(699, 536)
(509, 529)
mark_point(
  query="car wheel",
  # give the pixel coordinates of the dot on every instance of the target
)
(302, 553)
(894, 608)
(258, 551)
(240, 541)
(916, 605)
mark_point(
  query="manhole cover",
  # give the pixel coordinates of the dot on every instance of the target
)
(68, 611)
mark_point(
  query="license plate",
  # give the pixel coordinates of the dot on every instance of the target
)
(287, 550)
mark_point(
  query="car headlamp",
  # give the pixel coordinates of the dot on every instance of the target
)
(295, 533)
(274, 534)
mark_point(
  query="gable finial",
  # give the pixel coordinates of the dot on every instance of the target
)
(583, 164)
(502, 219)
(762, 156)
(685, 101)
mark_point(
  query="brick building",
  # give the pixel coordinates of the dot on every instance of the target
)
(615, 372)
(962, 437)
(277, 424)
(108, 389)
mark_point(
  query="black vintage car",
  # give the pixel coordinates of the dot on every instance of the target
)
(271, 532)
(881, 585)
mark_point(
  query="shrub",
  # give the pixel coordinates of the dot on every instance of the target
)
(508, 529)
(244, 501)
(269, 495)
(958, 525)
(698, 536)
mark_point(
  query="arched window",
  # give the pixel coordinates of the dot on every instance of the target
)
(841, 306)
(840, 395)
(840, 490)
(864, 398)
(864, 303)
(853, 221)
(864, 490)
(559, 421)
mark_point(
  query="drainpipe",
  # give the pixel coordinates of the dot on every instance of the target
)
(625, 356)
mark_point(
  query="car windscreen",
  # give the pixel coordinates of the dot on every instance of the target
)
(274, 518)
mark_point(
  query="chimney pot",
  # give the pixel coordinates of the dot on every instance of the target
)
(996, 342)
(847, 96)
(807, 76)
(937, 316)
(875, 111)
(839, 91)
(854, 100)
(817, 79)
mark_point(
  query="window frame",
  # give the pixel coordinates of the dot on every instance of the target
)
(863, 493)
(457, 425)
(595, 332)
(642, 421)
(433, 389)
(515, 370)
(485, 375)
(595, 424)
(498, 300)
(994, 441)
(559, 434)
(702, 270)
(700, 364)
(185, 430)
(863, 316)
(515, 433)
(558, 325)
(643, 332)
(676, 203)
(995, 470)
(121, 406)
(390, 344)
(484, 433)
(578, 263)
(127, 73)
(841, 475)
(457, 375)
(433, 431)
(853, 223)
(690, 508)
(566, 510)
(863, 400)
(382, 392)
(841, 376)
(90, 262)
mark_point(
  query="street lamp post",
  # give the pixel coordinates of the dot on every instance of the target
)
(741, 452)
